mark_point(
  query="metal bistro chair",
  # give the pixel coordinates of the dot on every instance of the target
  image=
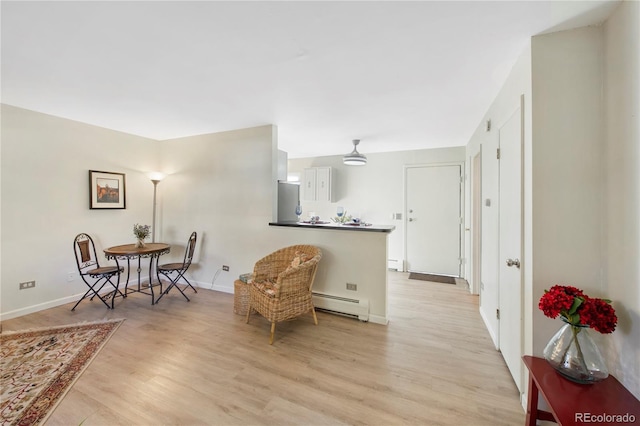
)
(179, 269)
(94, 275)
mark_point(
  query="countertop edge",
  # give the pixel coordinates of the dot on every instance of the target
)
(372, 228)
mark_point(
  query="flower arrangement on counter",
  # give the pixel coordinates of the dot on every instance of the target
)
(576, 308)
(141, 231)
(345, 218)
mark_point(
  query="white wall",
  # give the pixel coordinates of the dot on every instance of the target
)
(219, 185)
(506, 102)
(45, 202)
(621, 206)
(376, 190)
(567, 168)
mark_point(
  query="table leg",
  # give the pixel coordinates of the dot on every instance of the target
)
(532, 403)
(139, 269)
(126, 286)
(158, 274)
(153, 301)
(115, 291)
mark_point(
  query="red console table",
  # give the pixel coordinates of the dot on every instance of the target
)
(606, 402)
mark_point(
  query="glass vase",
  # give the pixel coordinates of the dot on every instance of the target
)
(140, 243)
(574, 354)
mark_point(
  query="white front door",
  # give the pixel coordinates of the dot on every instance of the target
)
(510, 246)
(433, 219)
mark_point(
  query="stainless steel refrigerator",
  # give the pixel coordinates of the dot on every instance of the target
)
(288, 199)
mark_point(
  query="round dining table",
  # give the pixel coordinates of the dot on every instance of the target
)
(129, 251)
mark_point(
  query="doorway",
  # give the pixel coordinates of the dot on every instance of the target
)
(433, 219)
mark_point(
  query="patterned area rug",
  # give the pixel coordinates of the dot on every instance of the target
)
(39, 366)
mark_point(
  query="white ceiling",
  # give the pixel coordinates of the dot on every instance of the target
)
(398, 75)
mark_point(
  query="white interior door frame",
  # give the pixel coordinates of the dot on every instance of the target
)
(513, 324)
(462, 208)
(476, 222)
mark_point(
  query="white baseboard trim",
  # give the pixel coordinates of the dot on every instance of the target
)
(223, 288)
(62, 301)
(216, 287)
(39, 307)
(133, 283)
(486, 325)
(377, 319)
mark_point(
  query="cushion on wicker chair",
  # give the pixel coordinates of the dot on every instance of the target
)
(298, 259)
(267, 287)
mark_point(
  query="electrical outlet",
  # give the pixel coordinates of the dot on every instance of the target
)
(27, 284)
(71, 276)
(225, 268)
(351, 286)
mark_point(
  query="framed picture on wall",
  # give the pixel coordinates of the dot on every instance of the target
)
(106, 190)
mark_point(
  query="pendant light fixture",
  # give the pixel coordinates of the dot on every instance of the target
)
(354, 158)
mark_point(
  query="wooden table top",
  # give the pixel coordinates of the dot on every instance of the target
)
(571, 402)
(130, 250)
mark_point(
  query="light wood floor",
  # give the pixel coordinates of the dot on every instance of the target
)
(199, 363)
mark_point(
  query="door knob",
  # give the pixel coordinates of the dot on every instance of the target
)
(411, 219)
(513, 262)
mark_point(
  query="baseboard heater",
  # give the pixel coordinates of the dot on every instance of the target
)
(394, 265)
(342, 305)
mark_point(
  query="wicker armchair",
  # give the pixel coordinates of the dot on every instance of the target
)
(282, 281)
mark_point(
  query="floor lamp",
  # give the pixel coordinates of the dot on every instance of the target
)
(156, 177)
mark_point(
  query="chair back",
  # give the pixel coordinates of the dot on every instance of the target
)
(191, 248)
(314, 268)
(277, 267)
(305, 273)
(85, 251)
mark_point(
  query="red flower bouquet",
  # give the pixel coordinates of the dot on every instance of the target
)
(578, 309)
(571, 351)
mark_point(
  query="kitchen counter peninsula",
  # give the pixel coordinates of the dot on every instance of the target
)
(352, 275)
(330, 225)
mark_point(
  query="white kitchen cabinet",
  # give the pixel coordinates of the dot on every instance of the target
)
(317, 184)
(309, 185)
(323, 184)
